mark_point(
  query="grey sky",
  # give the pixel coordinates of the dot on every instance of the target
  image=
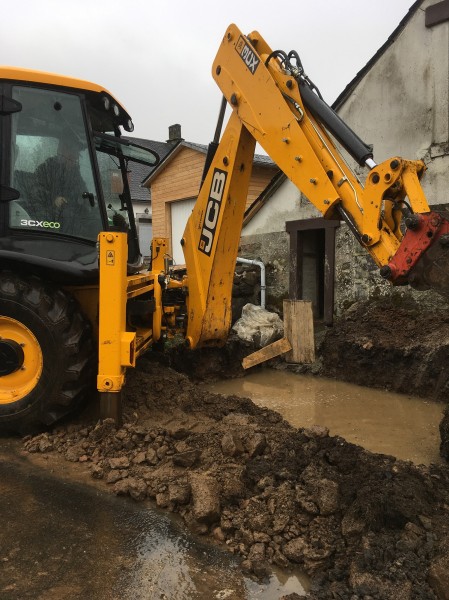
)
(156, 57)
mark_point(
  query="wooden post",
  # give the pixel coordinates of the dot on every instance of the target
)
(298, 329)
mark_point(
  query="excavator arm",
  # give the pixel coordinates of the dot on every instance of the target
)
(274, 103)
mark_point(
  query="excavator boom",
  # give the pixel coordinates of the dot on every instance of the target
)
(274, 103)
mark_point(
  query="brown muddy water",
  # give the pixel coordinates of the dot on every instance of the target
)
(62, 540)
(380, 421)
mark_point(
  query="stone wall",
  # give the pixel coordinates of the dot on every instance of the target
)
(273, 250)
(357, 279)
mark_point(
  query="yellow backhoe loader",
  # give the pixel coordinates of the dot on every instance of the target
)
(77, 307)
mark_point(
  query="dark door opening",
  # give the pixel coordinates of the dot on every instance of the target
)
(312, 264)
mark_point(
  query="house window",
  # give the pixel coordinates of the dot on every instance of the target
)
(312, 264)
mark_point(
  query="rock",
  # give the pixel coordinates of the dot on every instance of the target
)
(122, 462)
(205, 498)
(231, 444)
(121, 488)
(259, 518)
(327, 496)
(97, 472)
(137, 488)
(45, 445)
(259, 536)
(179, 493)
(179, 434)
(280, 560)
(140, 458)
(232, 486)
(74, 452)
(255, 444)
(317, 431)
(280, 522)
(186, 459)
(113, 476)
(162, 499)
(152, 457)
(257, 552)
(162, 451)
(294, 550)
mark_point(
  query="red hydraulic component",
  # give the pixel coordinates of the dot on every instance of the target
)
(423, 231)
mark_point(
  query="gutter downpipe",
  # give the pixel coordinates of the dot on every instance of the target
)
(258, 263)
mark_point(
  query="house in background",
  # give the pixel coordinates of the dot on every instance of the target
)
(174, 185)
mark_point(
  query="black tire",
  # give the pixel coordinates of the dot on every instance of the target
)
(65, 342)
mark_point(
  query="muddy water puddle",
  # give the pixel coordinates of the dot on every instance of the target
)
(380, 421)
(61, 540)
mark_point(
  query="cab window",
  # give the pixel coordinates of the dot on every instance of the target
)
(51, 166)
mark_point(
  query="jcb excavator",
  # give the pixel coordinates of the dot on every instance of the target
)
(75, 301)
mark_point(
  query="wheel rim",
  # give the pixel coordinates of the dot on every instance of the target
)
(20, 343)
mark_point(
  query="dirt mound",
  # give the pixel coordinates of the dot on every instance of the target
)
(393, 344)
(361, 525)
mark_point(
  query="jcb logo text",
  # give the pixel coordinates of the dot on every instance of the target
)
(212, 211)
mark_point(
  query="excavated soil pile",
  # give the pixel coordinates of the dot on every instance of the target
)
(361, 525)
(393, 344)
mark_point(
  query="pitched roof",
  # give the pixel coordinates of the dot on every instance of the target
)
(259, 159)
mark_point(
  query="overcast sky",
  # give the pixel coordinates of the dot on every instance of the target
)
(156, 57)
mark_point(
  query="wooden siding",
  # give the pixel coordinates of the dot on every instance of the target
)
(181, 180)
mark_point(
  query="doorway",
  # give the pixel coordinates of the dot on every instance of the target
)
(312, 265)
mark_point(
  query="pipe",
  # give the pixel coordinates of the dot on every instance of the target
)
(258, 263)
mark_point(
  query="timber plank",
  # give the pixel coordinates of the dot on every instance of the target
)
(270, 351)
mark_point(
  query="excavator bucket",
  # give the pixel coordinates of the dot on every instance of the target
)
(432, 270)
(422, 260)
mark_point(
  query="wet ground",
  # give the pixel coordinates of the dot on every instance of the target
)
(380, 421)
(62, 540)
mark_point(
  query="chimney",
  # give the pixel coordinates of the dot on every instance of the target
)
(174, 134)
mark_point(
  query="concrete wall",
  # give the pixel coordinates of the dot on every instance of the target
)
(401, 105)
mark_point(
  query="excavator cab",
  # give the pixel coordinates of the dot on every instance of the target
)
(64, 171)
(64, 175)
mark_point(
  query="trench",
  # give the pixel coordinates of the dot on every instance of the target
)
(383, 422)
